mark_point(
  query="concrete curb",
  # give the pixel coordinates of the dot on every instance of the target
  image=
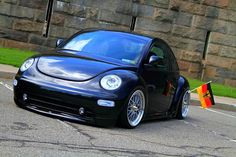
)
(221, 106)
(7, 75)
(7, 71)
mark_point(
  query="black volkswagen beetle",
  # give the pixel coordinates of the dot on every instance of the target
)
(102, 77)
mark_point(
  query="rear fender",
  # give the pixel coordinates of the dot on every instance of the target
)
(183, 84)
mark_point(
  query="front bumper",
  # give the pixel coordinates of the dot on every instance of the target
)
(62, 102)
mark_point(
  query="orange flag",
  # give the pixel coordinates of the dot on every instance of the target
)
(206, 95)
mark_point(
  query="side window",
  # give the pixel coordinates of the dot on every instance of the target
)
(159, 50)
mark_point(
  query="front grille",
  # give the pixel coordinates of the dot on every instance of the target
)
(53, 104)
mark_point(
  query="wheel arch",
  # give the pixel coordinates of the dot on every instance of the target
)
(183, 84)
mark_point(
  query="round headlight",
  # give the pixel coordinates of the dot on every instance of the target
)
(111, 82)
(27, 64)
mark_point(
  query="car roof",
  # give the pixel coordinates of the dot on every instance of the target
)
(121, 31)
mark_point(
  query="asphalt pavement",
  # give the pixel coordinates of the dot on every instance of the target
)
(209, 132)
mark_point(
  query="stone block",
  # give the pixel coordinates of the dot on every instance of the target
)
(14, 35)
(36, 39)
(177, 52)
(38, 4)
(230, 82)
(5, 8)
(195, 68)
(92, 13)
(232, 5)
(218, 61)
(164, 15)
(6, 21)
(28, 26)
(110, 5)
(51, 42)
(186, 44)
(70, 9)
(40, 15)
(212, 12)
(232, 28)
(1, 42)
(210, 71)
(214, 79)
(143, 10)
(109, 16)
(78, 23)
(58, 19)
(217, 3)
(191, 56)
(189, 74)
(233, 67)
(228, 15)
(22, 12)
(151, 25)
(226, 73)
(61, 32)
(105, 25)
(156, 3)
(11, 1)
(16, 11)
(42, 49)
(190, 7)
(189, 32)
(210, 24)
(184, 19)
(228, 52)
(214, 49)
(183, 65)
(223, 39)
(19, 45)
(125, 7)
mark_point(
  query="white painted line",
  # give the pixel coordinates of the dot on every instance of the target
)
(211, 131)
(66, 125)
(233, 141)
(6, 85)
(228, 115)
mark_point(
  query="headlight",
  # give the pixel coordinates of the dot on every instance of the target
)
(111, 82)
(27, 64)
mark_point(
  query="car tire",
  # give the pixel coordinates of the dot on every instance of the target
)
(134, 110)
(183, 107)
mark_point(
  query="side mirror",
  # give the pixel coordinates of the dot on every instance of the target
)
(154, 60)
(59, 41)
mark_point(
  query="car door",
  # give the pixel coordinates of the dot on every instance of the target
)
(157, 78)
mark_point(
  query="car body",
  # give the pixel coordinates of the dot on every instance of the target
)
(103, 76)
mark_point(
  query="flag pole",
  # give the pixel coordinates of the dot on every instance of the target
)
(190, 91)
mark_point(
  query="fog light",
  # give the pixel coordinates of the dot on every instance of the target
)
(15, 82)
(81, 110)
(106, 103)
(25, 97)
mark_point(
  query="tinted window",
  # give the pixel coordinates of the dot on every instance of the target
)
(117, 45)
(159, 50)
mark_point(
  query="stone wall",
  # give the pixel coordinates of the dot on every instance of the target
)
(191, 27)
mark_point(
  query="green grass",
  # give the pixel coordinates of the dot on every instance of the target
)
(14, 57)
(218, 89)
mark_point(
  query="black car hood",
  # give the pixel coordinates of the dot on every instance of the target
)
(73, 68)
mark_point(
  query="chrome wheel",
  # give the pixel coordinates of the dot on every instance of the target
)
(185, 104)
(135, 109)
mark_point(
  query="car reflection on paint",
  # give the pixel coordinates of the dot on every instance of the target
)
(104, 77)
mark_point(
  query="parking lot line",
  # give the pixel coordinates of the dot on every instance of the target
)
(6, 85)
(218, 112)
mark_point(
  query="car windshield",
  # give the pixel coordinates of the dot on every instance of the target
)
(121, 46)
